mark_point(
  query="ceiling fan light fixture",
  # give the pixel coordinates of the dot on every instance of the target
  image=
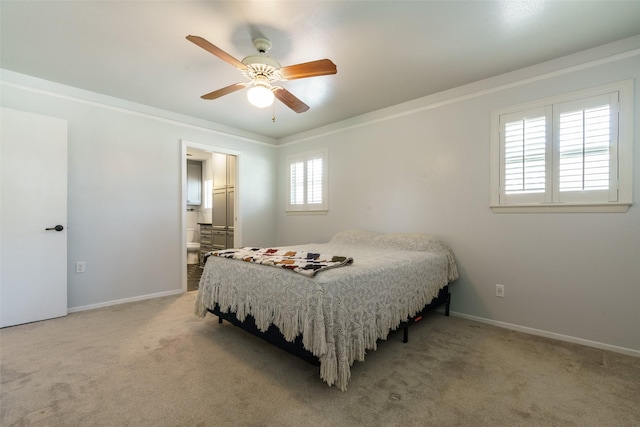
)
(260, 96)
(262, 71)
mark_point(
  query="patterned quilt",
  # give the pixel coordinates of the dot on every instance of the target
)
(306, 263)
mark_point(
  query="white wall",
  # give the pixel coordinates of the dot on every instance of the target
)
(125, 181)
(424, 166)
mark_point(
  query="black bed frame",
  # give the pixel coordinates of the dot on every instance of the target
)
(273, 335)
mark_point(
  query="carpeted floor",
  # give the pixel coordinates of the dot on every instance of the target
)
(154, 363)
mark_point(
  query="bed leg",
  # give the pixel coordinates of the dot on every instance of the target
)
(220, 320)
(405, 339)
(446, 309)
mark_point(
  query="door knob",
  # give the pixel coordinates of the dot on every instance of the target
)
(57, 228)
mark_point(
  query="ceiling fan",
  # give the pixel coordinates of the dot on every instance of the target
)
(262, 71)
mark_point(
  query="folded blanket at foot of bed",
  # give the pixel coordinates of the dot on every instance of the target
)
(306, 263)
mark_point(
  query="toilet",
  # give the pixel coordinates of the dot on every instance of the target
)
(193, 247)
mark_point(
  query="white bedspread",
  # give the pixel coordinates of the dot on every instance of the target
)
(342, 312)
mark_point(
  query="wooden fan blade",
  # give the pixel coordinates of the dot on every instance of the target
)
(216, 51)
(321, 67)
(225, 91)
(288, 99)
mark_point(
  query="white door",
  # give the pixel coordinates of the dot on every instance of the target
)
(33, 197)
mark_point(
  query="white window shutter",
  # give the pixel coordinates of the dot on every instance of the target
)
(524, 148)
(314, 181)
(296, 177)
(568, 153)
(586, 143)
(308, 182)
(523, 143)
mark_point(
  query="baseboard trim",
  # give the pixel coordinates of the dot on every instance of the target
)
(552, 335)
(124, 300)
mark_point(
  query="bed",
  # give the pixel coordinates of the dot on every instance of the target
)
(334, 315)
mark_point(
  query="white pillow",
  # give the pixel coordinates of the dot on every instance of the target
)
(418, 242)
(354, 237)
(408, 242)
(399, 241)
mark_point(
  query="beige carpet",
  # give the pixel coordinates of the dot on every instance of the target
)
(153, 363)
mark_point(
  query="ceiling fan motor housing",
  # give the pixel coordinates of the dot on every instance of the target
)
(258, 65)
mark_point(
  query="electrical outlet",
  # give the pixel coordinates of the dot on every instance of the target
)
(500, 291)
(80, 267)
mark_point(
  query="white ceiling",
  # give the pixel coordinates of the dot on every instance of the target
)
(387, 52)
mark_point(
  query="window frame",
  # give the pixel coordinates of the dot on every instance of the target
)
(548, 201)
(306, 206)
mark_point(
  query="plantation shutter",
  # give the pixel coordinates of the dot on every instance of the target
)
(314, 181)
(524, 138)
(568, 153)
(524, 155)
(297, 183)
(587, 142)
(308, 182)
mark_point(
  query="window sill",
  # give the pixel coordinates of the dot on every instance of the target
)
(301, 212)
(563, 208)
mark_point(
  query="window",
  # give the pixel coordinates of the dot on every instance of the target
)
(208, 194)
(569, 153)
(307, 182)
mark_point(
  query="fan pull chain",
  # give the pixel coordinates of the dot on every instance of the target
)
(273, 114)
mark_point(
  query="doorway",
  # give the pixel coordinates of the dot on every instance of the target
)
(210, 206)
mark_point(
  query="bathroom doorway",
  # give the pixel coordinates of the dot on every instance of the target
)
(210, 206)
